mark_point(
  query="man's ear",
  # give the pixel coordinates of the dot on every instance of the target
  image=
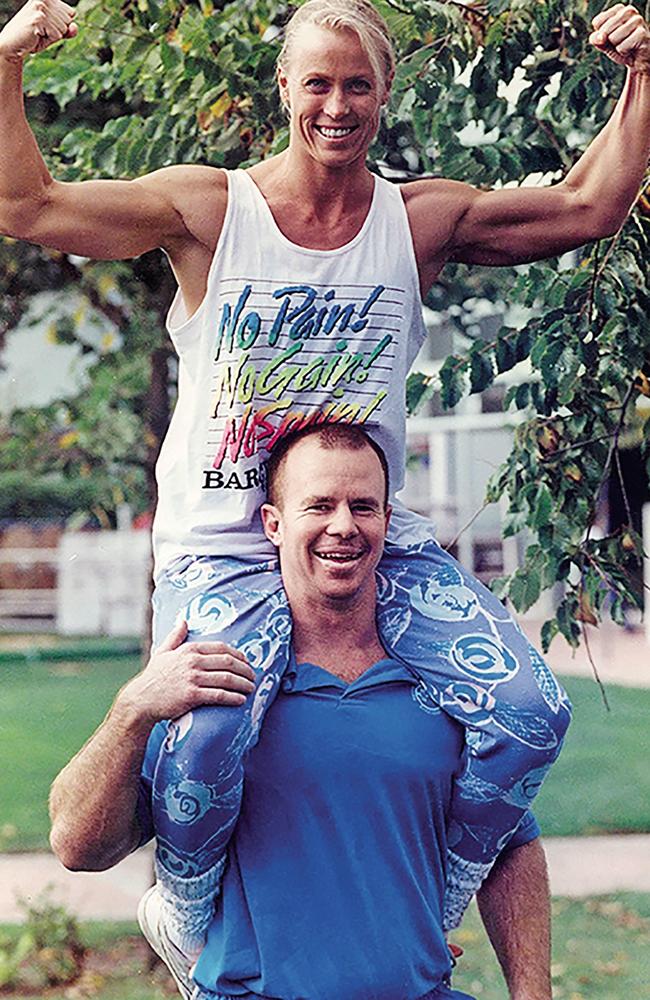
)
(389, 511)
(271, 522)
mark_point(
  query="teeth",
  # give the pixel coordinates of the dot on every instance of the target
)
(336, 557)
(334, 133)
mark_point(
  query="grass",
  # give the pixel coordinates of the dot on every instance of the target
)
(601, 782)
(601, 952)
(47, 711)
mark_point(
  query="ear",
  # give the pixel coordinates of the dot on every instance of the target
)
(389, 511)
(272, 523)
(283, 87)
(387, 89)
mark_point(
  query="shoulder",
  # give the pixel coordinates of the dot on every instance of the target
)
(439, 195)
(184, 176)
(435, 208)
(197, 194)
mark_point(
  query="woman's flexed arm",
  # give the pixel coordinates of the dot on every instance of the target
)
(105, 219)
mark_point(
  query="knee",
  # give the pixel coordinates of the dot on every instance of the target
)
(551, 700)
(212, 733)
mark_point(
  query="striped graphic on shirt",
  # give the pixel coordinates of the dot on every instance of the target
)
(287, 354)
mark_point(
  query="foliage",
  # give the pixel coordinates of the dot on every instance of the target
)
(194, 82)
(47, 951)
(117, 966)
(97, 450)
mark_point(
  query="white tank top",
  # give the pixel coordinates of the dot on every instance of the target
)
(284, 336)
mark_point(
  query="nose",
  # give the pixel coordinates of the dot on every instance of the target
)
(342, 522)
(337, 104)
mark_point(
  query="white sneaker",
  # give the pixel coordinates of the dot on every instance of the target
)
(152, 925)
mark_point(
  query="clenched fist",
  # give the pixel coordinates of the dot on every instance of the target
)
(623, 35)
(36, 25)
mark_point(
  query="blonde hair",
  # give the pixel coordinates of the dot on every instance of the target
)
(359, 16)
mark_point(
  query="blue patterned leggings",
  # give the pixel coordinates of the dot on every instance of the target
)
(471, 659)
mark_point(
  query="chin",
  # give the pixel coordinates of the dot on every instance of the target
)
(341, 588)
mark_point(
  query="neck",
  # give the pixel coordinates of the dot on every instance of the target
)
(339, 636)
(320, 185)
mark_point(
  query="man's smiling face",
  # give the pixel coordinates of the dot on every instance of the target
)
(334, 98)
(329, 523)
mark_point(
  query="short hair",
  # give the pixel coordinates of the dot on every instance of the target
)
(330, 436)
(359, 16)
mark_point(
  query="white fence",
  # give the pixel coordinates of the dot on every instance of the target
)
(102, 586)
(103, 583)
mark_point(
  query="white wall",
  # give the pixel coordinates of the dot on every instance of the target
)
(103, 583)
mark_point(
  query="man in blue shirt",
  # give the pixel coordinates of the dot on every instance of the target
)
(335, 878)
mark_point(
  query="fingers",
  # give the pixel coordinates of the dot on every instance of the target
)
(54, 20)
(622, 34)
(225, 680)
(219, 678)
(182, 675)
(218, 663)
(221, 698)
(212, 646)
(175, 638)
(615, 24)
(213, 665)
(632, 42)
(227, 698)
(215, 654)
(613, 13)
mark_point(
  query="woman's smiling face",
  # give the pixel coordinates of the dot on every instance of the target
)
(333, 95)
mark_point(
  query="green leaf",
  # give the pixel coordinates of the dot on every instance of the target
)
(525, 588)
(171, 56)
(452, 381)
(524, 343)
(481, 372)
(483, 84)
(522, 396)
(499, 586)
(548, 632)
(489, 155)
(567, 621)
(505, 353)
(418, 389)
(541, 507)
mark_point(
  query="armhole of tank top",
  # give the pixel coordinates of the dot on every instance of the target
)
(177, 302)
(415, 277)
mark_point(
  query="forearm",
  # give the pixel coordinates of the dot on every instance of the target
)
(514, 903)
(93, 801)
(24, 177)
(607, 177)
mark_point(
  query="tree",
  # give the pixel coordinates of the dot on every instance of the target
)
(194, 82)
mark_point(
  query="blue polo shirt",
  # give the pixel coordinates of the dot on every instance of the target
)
(335, 878)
